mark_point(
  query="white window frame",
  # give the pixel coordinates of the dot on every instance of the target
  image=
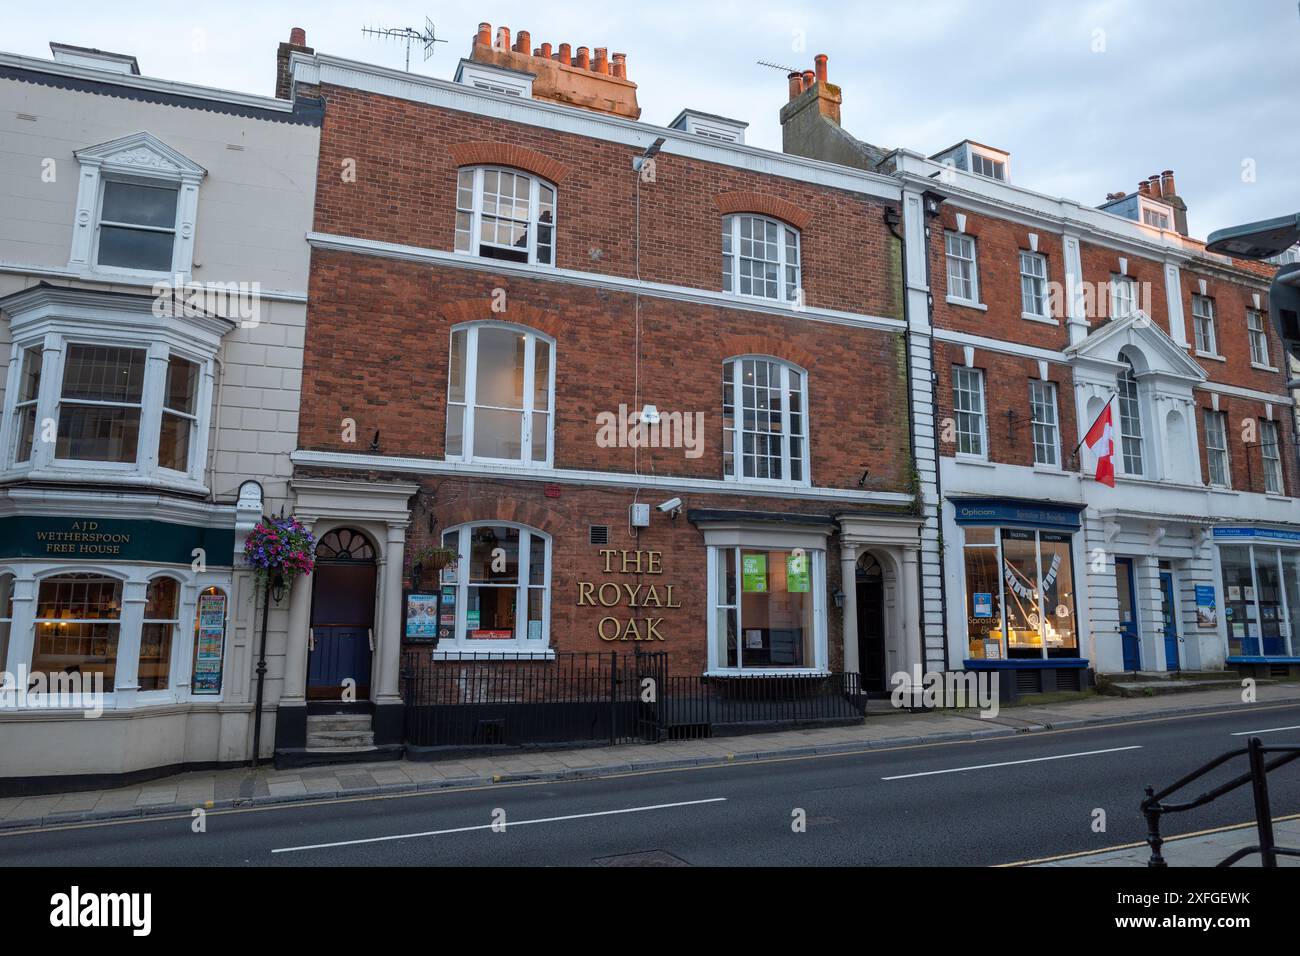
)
(52, 319)
(997, 168)
(1042, 397)
(789, 282)
(961, 239)
(1204, 334)
(1215, 434)
(738, 431)
(468, 244)
(1122, 382)
(962, 377)
(739, 541)
(532, 336)
(1257, 331)
(172, 663)
(1270, 439)
(1034, 303)
(1128, 295)
(462, 646)
(140, 159)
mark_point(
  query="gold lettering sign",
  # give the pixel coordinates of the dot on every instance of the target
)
(610, 594)
(84, 538)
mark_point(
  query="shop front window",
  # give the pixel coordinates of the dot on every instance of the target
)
(78, 621)
(501, 585)
(1239, 602)
(1020, 597)
(1261, 587)
(764, 609)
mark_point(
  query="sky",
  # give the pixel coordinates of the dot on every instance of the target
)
(1088, 97)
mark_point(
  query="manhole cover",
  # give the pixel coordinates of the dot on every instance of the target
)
(645, 858)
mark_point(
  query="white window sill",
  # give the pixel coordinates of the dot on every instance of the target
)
(500, 462)
(767, 672)
(1274, 496)
(172, 482)
(1052, 470)
(791, 304)
(1223, 490)
(1263, 368)
(1045, 319)
(510, 262)
(973, 460)
(503, 653)
(1212, 356)
(766, 482)
(966, 303)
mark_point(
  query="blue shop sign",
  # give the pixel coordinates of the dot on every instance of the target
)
(1275, 534)
(1009, 511)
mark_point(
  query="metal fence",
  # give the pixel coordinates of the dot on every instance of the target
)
(538, 700)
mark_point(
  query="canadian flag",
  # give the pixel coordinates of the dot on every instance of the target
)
(1101, 442)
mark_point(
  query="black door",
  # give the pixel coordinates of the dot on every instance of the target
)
(871, 625)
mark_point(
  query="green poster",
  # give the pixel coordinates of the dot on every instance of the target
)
(796, 573)
(753, 572)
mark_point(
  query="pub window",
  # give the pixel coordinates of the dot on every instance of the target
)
(6, 616)
(764, 608)
(78, 622)
(764, 426)
(502, 586)
(505, 214)
(499, 393)
(29, 390)
(760, 257)
(158, 633)
(209, 642)
(179, 414)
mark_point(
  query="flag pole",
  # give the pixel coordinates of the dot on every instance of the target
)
(1110, 398)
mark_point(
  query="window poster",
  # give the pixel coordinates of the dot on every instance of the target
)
(983, 604)
(1206, 611)
(421, 615)
(209, 644)
(753, 572)
(796, 572)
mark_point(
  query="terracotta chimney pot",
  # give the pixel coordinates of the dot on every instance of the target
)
(820, 61)
(796, 84)
(503, 38)
(808, 79)
(584, 58)
(602, 60)
(525, 42)
(620, 65)
(1167, 187)
(298, 36)
(484, 35)
(546, 50)
(566, 54)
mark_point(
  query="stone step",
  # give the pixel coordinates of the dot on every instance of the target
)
(1154, 688)
(340, 739)
(353, 723)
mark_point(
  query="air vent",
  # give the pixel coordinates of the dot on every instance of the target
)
(1068, 679)
(1028, 681)
(598, 534)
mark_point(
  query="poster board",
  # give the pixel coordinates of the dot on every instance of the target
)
(209, 644)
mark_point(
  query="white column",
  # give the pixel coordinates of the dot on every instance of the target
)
(127, 677)
(389, 619)
(295, 642)
(909, 585)
(849, 585)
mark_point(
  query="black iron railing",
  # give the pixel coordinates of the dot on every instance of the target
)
(539, 699)
(1257, 776)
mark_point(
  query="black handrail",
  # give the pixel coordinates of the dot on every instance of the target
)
(1256, 776)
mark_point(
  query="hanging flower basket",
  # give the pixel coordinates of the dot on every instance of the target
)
(279, 549)
(431, 559)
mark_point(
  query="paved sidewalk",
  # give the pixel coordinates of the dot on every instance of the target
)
(1206, 849)
(243, 786)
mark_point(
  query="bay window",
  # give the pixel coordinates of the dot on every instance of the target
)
(29, 389)
(179, 414)
(100, 404)
(501, 585)
(499, 394)
(766, 609)
(764, 421)
(161, 618)
(760, 257)
(505, 214)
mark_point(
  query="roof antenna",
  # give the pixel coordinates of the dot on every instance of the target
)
(778, 66)
(410, 34)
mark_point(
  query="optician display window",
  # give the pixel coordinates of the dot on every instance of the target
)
(1261, 599)
(1020, 597)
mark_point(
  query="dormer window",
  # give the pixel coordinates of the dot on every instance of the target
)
(988, 167)
(1154, 217)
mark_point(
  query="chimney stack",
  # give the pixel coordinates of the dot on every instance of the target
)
(297, 44)
(597, 83)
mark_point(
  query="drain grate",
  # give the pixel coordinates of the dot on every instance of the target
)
(644, 858)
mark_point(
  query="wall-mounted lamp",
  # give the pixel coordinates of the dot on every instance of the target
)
(838, 597)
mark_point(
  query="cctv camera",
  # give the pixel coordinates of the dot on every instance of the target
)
(671, 505)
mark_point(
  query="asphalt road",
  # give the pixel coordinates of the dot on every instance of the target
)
(969, 803)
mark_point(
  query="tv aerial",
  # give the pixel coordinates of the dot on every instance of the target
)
(410, 35)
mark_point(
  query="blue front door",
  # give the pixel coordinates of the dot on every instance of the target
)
(1170, 613)
(340, 659)
(1128, 623)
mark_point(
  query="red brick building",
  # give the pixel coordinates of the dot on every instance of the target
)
(647, 384)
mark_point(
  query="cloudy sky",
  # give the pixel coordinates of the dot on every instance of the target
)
(1088, 97)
